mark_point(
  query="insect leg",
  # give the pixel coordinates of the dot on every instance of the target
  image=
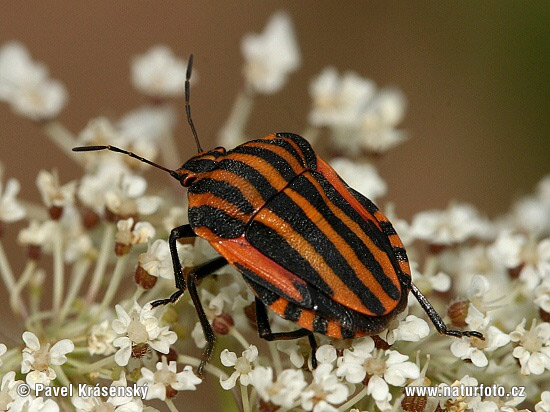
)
(195, 275)
(264, 330)
(436, 319)
(179, 232)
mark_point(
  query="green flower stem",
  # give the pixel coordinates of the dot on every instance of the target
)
(245, 400)
(171, 405)
(113, 286)
(17, 305)
(93, 367)
(61, 376)
(104, 253)
(360, 395)
(277, 365)
(240, 338)
(80, 269)
(5, 270)
(213, 370)
(58, 268)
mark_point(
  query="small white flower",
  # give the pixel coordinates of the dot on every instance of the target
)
(544, 404)
(127, 198)
(454, 225)
(533, 349)
(28, 404)
(474, 348)
(243, 366)
(114, 403)
(10, 209)
(377, 133)
(284, 391)
(134, 234)
(271, 56)
(532, 214)
(37, 360)
(536, 258)
(3, 350)
(166, 376)
(37, 234)
(8, 390)
(325, 390)
(542, 293)
(100, 339)
(53, 194)
(339, 101)
(26, 86)
(410, 329)
(326, 354)
(394, 369)
(140, 327)
(363, 177)
(461, 402)
(146, 125)
(294, 350)
(506, 250)
(157, 260)
(158, 73)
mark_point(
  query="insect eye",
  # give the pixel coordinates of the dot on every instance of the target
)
(188, 180)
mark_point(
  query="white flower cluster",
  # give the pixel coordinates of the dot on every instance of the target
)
(25, 84)
(101, 328)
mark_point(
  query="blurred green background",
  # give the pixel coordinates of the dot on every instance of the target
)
(476, 76)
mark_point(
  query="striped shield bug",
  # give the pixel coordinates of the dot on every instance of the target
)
(311, 248)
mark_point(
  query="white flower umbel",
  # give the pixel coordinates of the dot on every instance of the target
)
(363, 177)
(339, 101)
(112, 404)
(26, 86)
(325, 391)
(533, 347)
(544, 404)
(165, 381)
(271, 56)
(284, 391)
(28, 404)
(37, 359)
(243, 366)
(140, 328)
(158, 73)
(157, 261)
(477, 349)
(456, 224)
(10, 209)
(100, 339)
(53, 194)
(383, 368)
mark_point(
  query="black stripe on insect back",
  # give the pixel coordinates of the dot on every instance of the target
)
(361, 249)
(285, 144)
(219, 222)
(298, 219)
(224, 190)
(305, 147)
(270, 157)
(274, 246)
(249, 174)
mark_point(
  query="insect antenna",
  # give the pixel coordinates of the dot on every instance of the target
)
(173, 173)
(187, 105)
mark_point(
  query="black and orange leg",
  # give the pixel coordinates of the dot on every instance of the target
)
(435, 318)
(180, 232)
(264, 330)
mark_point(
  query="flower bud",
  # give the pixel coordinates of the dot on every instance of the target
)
(414, 403)
(144, 279)
(222, 323)
(55, 212)
(140, 350)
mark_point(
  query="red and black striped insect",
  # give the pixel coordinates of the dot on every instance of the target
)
(311, 248)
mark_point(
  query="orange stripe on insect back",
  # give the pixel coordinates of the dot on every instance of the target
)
(334, 330)
(248, 190)
(292, 161)
(342, 293)
(279, 306)
(267, 170)
(380, 255)
(330, 174)
(306, 319)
